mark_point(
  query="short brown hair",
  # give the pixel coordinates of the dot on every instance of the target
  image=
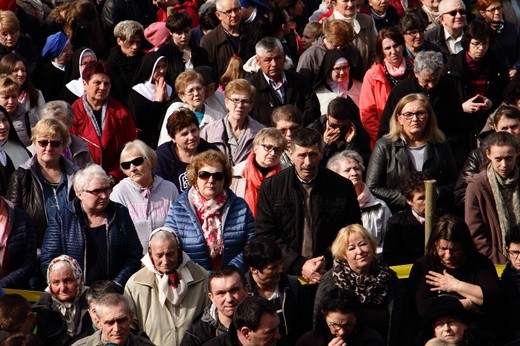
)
(96, 67)
(186, 77)
(241, 86)
(209, 157)
(14, 310)
(390, 33)
(483, 4)
(287, 113)
(8, 83)
(338, 32)
(50, 127)
(180, 119)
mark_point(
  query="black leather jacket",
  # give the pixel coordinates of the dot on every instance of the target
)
(390, 164)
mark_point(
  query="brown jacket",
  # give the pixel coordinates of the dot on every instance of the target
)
(482, 218)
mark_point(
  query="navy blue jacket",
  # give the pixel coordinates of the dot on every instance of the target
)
(238, 224)
(66, 235)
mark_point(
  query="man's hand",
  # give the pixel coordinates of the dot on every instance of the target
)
(331, 134)
(476, 103)
(313, 269)
(351, 133)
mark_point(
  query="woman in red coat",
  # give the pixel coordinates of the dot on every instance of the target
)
(103, 122)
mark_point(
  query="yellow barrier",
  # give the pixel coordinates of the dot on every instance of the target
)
(403, 271)
(32, 296)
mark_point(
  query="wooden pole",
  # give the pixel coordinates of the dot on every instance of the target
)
(429, 212)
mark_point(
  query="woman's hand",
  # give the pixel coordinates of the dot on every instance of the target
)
(337, 341)
(476, 103)
(442, 282)
(161, 91)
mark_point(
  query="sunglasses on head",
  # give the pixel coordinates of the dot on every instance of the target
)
(138, 161)
(45, 142)
(204, 175)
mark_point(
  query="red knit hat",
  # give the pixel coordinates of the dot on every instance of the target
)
(157, 34)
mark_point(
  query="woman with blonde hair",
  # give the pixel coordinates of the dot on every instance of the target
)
(414, 143)
(356, 267)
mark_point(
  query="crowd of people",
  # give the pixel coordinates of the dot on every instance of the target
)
(245, 172)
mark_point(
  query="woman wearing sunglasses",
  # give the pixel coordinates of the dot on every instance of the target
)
(95, 231)
(43, 185)
(213, 224)
(147, 196)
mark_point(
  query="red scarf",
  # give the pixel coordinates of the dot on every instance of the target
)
(253, 180)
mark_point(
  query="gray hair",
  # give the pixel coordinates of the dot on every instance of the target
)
(83, 177)
(444, 6)
(218, 4)
(128, 28)
(56, 108)
(428, 61)
(111, 300)
(141, 148)
(336, 159)
(267, 44)
(164, 233)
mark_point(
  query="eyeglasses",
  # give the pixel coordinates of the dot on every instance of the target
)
(514, 253)
(453, 13)
(341, 68)
(138, 161)
(339, 326)
(98, 192)
(494, 9)
(341, 127)
(4, 34)
(234, 10)
(45, 142)
(269, 148)
(237, 102)
(409, 115)
(479, 44)
(414, 32)
(205, 175)
(192, 91)
(442, 323)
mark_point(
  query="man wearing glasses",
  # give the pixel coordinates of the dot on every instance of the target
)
(228, 38)
(448, 35)
(342, 130)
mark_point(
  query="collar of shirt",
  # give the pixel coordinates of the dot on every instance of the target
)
(276, 85)
(454, 43)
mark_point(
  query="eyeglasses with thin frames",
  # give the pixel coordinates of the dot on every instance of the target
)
(237, 102)
(97, 192)
(235, 10)
(494, 9)
(513, 253)
(338, 326)
(341, 68)
(414, 32)
(270, 148)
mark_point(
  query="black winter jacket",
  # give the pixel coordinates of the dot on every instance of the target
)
(204, 329)
(280, 213)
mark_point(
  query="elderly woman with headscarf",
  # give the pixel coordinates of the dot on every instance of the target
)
(50, 73)
(65, 293)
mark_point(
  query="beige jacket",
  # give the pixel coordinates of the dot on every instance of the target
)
(166, 325)
(95, 340)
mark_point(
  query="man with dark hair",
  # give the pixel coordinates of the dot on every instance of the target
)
(227, 289)
(97, 290)
(266, 279)
(255, 323)
(342, 130)
(303, 207)
(287, 119)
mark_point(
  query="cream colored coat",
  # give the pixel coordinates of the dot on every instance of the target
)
(166, 325)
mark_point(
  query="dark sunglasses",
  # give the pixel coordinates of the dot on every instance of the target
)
(44, 143)
(453, 13)
(138, 161)
(204, 175)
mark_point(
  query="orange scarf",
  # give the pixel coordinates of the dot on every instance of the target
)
(254, 179)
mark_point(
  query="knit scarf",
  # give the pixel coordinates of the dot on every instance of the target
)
(6, 223)
(209, 213)
(254, 178)
(497, 26)
(166, 289)
(396, 74)
(507, 199)
(92, 117)
(371, 288)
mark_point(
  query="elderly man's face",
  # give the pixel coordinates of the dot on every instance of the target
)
(63, 284)
(271, 63)
(229, 14)
(428, 80)
(454, 17)
(114, 322)
(164, 254)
